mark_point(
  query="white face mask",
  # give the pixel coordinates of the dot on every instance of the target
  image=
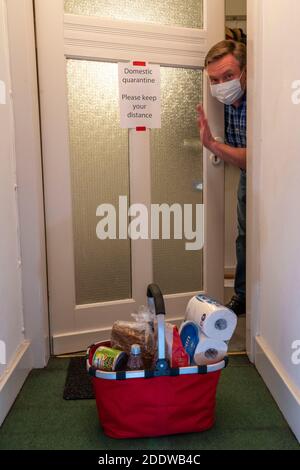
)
(228, 92)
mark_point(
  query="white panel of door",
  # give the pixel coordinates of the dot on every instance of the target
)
(61, 36)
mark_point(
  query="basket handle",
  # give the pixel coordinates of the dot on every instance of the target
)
(155, 298)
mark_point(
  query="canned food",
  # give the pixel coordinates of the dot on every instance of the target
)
(109, 359)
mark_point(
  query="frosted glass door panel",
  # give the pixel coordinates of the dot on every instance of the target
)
(177, 176)
(188, 13)
(100, 174)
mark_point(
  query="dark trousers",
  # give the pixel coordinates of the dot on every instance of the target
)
(240, 275)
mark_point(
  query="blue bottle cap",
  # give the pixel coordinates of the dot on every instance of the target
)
(136, 349)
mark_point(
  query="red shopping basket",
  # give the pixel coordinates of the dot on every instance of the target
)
(164, 401)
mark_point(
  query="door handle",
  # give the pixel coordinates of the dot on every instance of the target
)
(216, 161)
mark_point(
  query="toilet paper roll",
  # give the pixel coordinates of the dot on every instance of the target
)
(215, 320)
(209, 351)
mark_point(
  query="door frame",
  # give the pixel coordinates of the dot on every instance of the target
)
(29, 175)
(79, 42)
(24, 77)
(254, 112)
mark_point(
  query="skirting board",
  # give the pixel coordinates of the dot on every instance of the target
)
(80, 341)
(13, 378)
(283, 390)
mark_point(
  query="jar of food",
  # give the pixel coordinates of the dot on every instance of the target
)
(109, 359)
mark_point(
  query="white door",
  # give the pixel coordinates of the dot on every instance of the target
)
(89, 160)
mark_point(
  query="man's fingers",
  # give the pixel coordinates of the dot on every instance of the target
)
(201, 118)
(200, 111)
(203, 123)
(205, 132)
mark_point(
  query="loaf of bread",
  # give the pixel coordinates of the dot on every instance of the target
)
(125, 334)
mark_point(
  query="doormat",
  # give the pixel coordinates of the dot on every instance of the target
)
(78, 384)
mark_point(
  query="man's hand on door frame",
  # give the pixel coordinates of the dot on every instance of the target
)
(233, 155)
(206, 136)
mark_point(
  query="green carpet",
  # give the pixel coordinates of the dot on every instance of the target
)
(247, 417)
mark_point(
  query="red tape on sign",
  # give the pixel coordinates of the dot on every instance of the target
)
(139, 64)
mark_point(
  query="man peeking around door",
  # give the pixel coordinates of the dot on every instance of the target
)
(225, 65)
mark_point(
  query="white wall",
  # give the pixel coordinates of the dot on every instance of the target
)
(274, 191)
(11, 315)
(29, 175)
(15, 356)
(236, 7)
(23, 293)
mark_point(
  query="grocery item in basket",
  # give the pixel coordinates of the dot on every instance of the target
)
(209, 351)
(144, 315)
(190, 334)
(176, 353)
(215, 320)
(124, 334)
(135, 361)
(109, 359)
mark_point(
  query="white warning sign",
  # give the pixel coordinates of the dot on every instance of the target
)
(139, 95)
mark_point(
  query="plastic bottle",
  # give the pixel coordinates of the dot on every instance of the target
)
(135, 361)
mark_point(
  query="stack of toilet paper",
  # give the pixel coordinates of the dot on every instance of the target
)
(207, 329)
